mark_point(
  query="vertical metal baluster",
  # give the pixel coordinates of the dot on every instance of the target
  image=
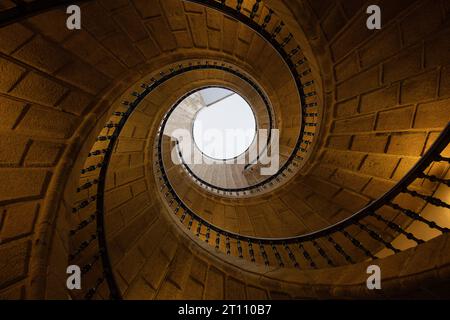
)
(239, 248)
(217, 240)
(191, 221)
(199, 228)
(376, 236)
(255, 9)
(267, 19)
(291, 255)
(358, 244)
(239, 5)
(322, 253)
(264, 254)
(340, 250)
(208, 234)
(277, 256)
(307, 256)
(227, 244)
(251, 251)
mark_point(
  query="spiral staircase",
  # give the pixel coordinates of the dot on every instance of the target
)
(89, 177)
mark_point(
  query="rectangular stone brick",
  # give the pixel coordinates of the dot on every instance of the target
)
(350, 201)
(362, 82)
(229, 35)
(235, 289)
(382, 46)
(42, 122)
(12, 149)
(433, 114)
(349, 179)
(91, 51)
(396, 119)
(45, 23)
(14, 262)
(22, 183)
(35, 87)
(10, 110)
(347, 67)
(76, 102)
(342, 159)
(403, 65)
(198, 30)
(356, 124)
(437, 49)
(352, 37)
(19, 221)
(404, 166)
(370, 143)
(339, 142)
(84, 76)
(155, 269)
(427, 18)
(346, 108)
(379, 99)
(131, 264)
(193, 290)
(333, 22)
(148, 48)
(43, 154)
(183, 39)
(161, 33)
(130, 145)
(147, 9)
(377, 187)
(130, 22)
(117, 43)
(420, 88)
(128, 175)
(379, 165)
(214, 289)
(117, 197)
(13, 36)
(132, 232)
(96, 21)
(43, 55)
(11, 73)
(409, 144)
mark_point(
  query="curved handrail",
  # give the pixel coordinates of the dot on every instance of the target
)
(439, 145)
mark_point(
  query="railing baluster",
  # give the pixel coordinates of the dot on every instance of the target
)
(397, 228)
(199, 228)
(227, 245)
(92, 291)
(323, 253)
(340, 250)
(264, 254)
(415, 216)
(251, 252)
(307, 255)
(277, 255)
(239, 247)
(255, 9)
(217, 240)
(376, 236)
(291, 255)
(434, 178)
(358, 244)
(83, 224)
(82, 247)
(429, 199)
(88, 267)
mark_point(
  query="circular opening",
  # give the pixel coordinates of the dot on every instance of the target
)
(225, 125)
